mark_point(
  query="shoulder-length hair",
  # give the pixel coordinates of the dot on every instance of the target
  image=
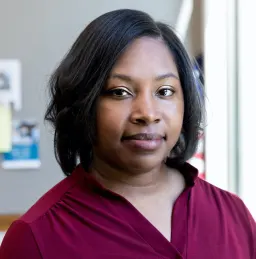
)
(79, 79)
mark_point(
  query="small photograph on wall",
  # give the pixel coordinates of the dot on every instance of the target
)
(24, 152)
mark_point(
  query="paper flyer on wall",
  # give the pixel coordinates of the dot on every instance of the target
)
(24, 153)
(5, 128)
(10, 82)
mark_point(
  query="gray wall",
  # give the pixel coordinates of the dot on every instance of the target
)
(39, 33)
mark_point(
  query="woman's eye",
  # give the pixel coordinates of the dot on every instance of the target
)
(166, 92)
(119, 93)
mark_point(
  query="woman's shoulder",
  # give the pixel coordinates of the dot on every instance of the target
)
(224, 212)
(22, 236)
(37, 227)
(211, 193)
(55, 195)
(204, 185)
(227, 205)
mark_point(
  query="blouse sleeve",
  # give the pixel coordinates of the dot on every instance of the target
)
(251, 230)
(19, 243)
(252, 223)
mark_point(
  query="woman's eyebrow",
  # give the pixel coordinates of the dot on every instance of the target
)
(165, 76)
(121, 76)
(129, 79)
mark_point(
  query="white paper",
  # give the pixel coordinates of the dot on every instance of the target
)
(10, 82)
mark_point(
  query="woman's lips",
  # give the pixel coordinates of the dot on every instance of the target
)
(144, 141)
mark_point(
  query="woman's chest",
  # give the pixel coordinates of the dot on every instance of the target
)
(159, 215)
(127, 237)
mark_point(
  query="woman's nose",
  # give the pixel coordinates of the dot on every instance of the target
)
(145, 110)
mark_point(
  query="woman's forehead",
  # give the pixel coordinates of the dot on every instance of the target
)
(146, 57)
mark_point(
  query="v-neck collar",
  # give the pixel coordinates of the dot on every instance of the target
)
(148, 232)
(145, 229)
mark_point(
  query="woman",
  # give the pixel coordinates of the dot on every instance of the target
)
(124, 103)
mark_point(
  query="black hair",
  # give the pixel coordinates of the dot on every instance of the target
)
(79, 79)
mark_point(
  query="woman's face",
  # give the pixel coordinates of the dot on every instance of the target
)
(140, 113)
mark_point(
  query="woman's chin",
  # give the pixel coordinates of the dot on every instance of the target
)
(144, 164)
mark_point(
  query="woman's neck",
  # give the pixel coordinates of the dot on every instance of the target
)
(160, 179)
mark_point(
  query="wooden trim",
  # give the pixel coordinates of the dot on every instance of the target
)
(6, 220)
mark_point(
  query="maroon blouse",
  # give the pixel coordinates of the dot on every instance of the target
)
(79, 219)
